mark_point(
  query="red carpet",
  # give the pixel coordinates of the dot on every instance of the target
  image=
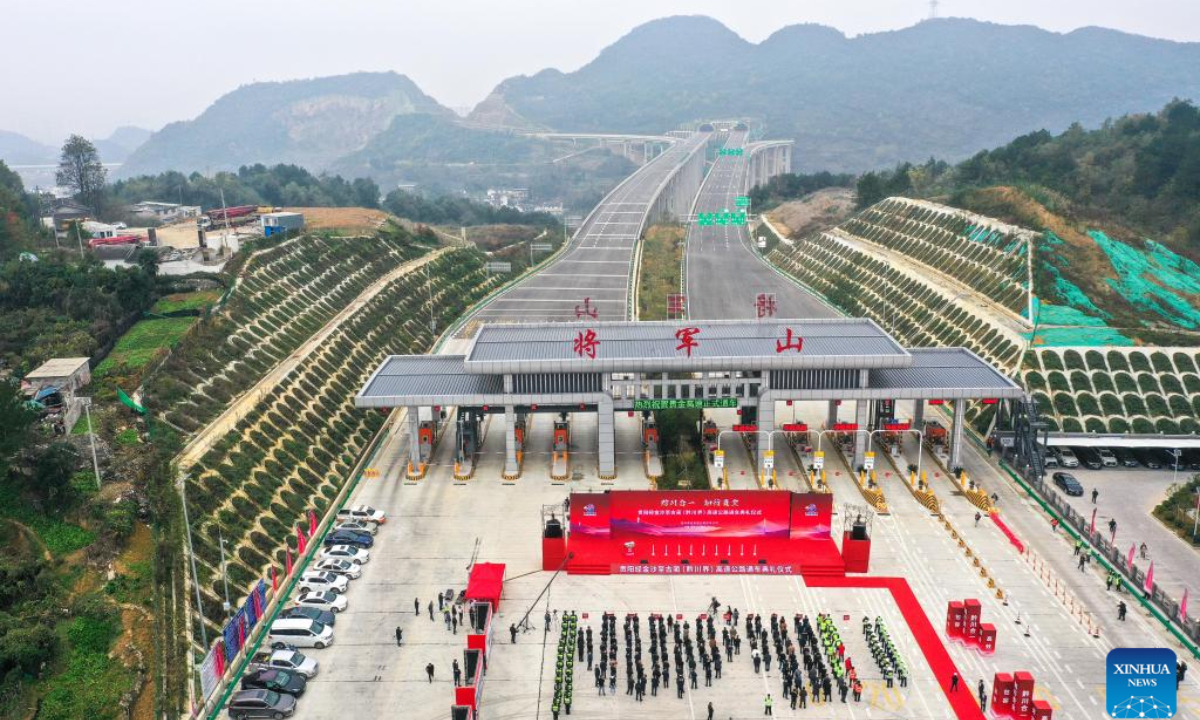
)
(962, 702)
(1012, 536)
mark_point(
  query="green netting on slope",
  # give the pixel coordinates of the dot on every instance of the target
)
(1062, 325)
(1155, 279)
(1064, 289)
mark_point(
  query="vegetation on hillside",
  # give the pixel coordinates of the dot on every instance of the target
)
(662, 258)
(457, 211)
(279, 185)
(792, 186)
(942, 88)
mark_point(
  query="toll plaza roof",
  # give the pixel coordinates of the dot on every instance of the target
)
(959, 372)
(685, 346)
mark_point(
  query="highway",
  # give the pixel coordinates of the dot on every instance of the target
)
(724, 274)
(592, 274)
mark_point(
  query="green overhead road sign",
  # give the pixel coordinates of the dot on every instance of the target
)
(734, 152)
(742, 201)
(721, 218)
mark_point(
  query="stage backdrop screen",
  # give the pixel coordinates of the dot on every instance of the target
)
(699, 514)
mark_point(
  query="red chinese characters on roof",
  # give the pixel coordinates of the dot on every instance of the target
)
(793, 342)
(585, 343)
(687, 339)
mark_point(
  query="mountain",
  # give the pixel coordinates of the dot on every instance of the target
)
(16, 149)
(120, 145)
(944, 88)
(303, 122)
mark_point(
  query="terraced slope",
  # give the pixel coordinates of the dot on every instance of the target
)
(283, 295)
(293, 451)
(938, 276)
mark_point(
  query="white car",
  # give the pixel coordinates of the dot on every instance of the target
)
(362, 513)
(1066, 457)
(319, 581)
(1107, 457)
(361, 526)
(338, 566)
(289, 660)
(322, 601)
(347, 552)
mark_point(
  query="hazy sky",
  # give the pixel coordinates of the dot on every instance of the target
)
(87, 66)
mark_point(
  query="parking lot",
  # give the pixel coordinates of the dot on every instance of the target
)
(1129, 495)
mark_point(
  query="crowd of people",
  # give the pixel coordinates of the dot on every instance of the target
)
(810, 658)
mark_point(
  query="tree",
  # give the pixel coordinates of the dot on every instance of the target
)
(15, 421)
(80, 170)
(869, 190)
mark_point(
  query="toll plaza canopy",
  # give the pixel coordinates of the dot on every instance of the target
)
(610, 366)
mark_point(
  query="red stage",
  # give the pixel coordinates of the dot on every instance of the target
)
(485, 583)
(686, 532)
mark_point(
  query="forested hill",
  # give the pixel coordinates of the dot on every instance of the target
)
(1140, 171)
(943, 88)
(303, 122)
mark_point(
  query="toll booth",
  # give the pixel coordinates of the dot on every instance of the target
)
(468, 440)
(560, 448)
(937, 440)
(427, 431)
(710, 432)
(651, 447)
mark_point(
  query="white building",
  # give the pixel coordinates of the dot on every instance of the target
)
(164, 211)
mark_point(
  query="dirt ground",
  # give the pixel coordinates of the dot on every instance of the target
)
(815, 212)
(351, 219)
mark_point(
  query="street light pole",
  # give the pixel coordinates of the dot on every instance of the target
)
(87, 410)
(192, 556)
(224, 573)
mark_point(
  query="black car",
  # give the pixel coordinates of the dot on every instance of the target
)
(281, 681)
(1148, 458)
(1126, 457)
(1089, 458)
(261, 704)
(312, 613)
(1068, 484)
(349, 537)
(1191, 456)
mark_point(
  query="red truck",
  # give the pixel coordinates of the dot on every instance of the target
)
(117, 240)
(237, 214)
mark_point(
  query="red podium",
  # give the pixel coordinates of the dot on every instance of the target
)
(1042, 710)
(1003, 688)
(987, 638)
(554, 551)
(972, 611)
(954, 620)
(1023, 697)
(856, 553)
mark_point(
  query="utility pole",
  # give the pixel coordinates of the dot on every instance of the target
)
(429, 284)
(224, 574)
(87, 409)
(225, 212)
(79, 237)
(192, 557)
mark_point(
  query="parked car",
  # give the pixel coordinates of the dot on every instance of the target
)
(310, 611)
(347, 552)
(290, 660)
(1068, 484)
(1049, 459)
(339, 566)
(1107, 457)
(281, 681)
(324, 601)
(260, 704)
(300, 632)
(361, 526)
(349, 537)
(319, 580)
(1126, 457)
(1066, 457)
(1089, 458)
(1191, 456)
(1148, 457)
(362, 513)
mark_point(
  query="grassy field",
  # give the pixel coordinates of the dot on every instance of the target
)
(186, 301)
(143, 342)
(662, 256)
